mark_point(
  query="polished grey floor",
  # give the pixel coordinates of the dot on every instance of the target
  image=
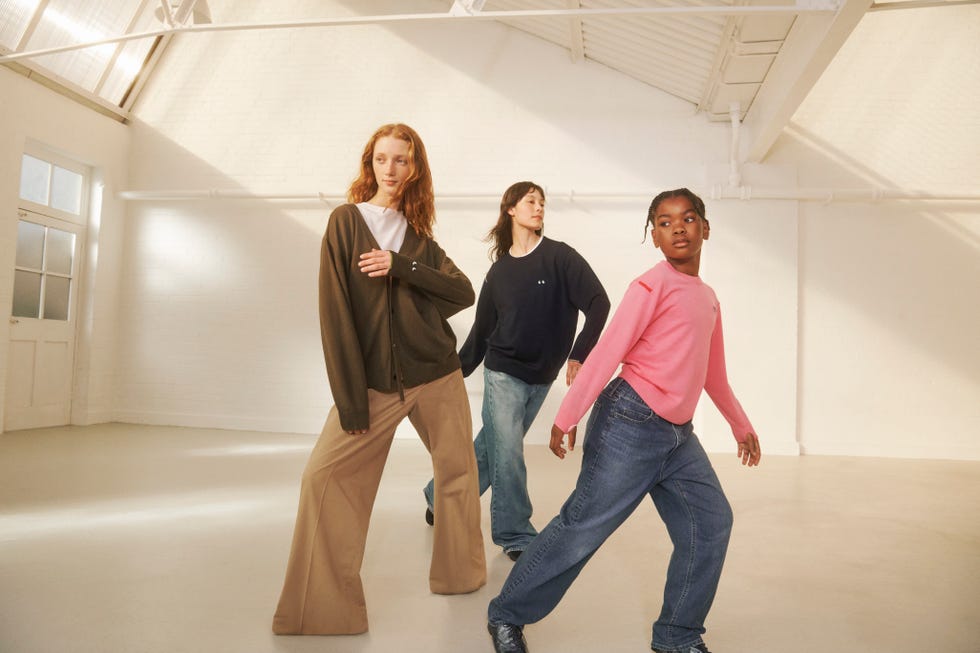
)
(121, 538)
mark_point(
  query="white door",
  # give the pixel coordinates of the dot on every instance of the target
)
(42, 323)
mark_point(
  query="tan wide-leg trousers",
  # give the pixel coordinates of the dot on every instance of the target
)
(322, 592)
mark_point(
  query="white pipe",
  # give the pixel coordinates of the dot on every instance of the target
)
(925, 4)
(840, 194)
(818, 6)
(746, 193)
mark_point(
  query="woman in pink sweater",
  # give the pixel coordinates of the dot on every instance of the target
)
(667, 336)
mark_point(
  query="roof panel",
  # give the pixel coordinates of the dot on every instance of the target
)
(72, 21)
(16, 16)
(676, 53)
(694, 56)
(127, 66)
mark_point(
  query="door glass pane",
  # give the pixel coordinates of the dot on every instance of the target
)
(61, 248)
(66, 190)
(30, 245)
(56, 298)
(34, 175)
(27, 294)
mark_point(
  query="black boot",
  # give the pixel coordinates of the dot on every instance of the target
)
(507, 638)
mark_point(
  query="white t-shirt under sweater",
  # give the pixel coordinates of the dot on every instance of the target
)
(387, 225)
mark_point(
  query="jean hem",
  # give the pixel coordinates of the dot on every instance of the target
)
(683, 649)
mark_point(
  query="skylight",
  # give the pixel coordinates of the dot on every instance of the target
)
(106, 75)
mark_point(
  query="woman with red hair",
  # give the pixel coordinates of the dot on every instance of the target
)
(386, 291)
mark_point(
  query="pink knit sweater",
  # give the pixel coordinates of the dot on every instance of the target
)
(667, 335)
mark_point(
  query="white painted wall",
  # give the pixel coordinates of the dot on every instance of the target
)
(28, 111)
(849, 326)
(219, 297)
(889, 310)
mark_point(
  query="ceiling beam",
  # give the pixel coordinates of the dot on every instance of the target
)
(725, 44)
(809, 48)
(576, 37)
(111, 66)
(808, 7)
(32, 25)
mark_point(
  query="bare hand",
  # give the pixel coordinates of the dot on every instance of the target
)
(557, 435)
(357, 432)
(749, 451)
(572, 371)
(376, 263)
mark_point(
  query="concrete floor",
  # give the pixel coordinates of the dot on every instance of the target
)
(121, 538)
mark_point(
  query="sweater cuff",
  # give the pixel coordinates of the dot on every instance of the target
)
(740, 431)
(401, 265)
(354, 420)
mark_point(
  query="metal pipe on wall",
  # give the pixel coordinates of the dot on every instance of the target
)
(718, 192)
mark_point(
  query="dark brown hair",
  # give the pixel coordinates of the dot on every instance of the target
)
(501, 236)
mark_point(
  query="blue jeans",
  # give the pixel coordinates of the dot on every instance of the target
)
(630, 452)
(509, 407)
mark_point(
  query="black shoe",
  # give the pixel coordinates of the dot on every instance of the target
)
(515, 554)
(700, 648)
(507, 638)
(430, 519)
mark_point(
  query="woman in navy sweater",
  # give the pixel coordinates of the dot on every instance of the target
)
(523, 334)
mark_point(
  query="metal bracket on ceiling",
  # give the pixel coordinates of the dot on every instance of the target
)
(818, 5)
(466, 7)
(181, 13)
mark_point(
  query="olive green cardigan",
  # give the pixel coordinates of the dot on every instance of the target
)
(385, 333)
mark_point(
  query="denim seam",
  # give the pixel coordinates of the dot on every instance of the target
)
(491, 449)
(691, 552)
(575, 509)
(531, 564)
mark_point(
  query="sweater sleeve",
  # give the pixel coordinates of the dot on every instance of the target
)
(587, 295)
(626, 327)
(475, 348)
(717, 386)
(445, 284)
(341, 346)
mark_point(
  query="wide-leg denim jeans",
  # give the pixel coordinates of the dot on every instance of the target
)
(629, 453)
(509, 407)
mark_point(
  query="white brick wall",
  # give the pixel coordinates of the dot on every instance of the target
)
(236, 343)
(889, 353)
(214, 320)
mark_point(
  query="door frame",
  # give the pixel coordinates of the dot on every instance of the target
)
(52, 217)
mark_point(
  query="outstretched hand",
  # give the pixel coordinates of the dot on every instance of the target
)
(557, 437)
(748, 450)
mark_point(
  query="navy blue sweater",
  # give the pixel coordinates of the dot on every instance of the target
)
(528, 310)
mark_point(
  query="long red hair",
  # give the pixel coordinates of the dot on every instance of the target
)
(417, 200)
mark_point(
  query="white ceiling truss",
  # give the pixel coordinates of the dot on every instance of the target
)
(751, 59)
